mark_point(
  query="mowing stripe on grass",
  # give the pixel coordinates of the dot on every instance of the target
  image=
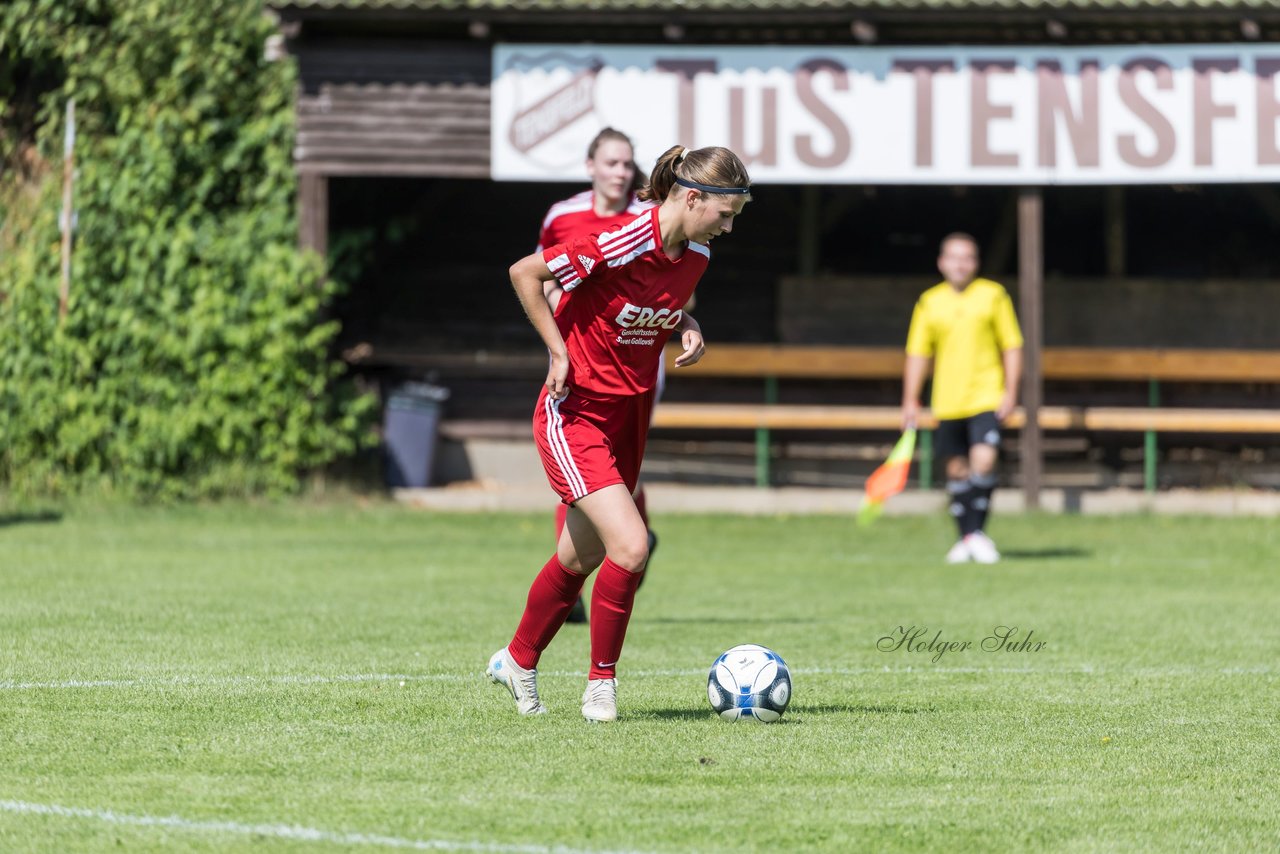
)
(280, 831)
(924, 669)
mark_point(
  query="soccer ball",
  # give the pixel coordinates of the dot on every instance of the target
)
(749, 681)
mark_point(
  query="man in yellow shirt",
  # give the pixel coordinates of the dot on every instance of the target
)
(967, 328)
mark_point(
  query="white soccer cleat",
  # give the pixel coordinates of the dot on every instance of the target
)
(982, 548)
(959, 553)
(600, 701)
(523, 684)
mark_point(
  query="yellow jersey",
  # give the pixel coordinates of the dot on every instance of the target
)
(965, 333)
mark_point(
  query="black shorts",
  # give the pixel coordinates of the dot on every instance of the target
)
(955, 438)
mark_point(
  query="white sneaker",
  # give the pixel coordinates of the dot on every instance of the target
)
(600, 701)
(982, 548)
(959, 553)
(523, 684)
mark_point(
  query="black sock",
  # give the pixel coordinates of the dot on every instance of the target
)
(982, 485)
(960, 493)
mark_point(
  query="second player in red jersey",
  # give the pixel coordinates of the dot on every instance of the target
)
(624, 293)
(612, 199)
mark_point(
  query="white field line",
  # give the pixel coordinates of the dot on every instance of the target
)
(315, 679)
(198, 681)
(278, 831)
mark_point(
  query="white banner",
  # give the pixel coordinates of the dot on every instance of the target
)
(945, 115)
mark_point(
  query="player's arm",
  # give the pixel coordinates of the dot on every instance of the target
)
(916, 367)
(1012, 359)
(1009, 337)
(914, 371)
(691, 339)
(529, 276)
(552, 292)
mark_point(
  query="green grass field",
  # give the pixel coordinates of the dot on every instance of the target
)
(308, 678)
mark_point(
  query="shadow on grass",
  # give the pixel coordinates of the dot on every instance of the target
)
(708, 715)
(26, 518)
(1045, 554)
(801, 710)
(682, 714)
(876, 709)
(858, 709)
(731, 621)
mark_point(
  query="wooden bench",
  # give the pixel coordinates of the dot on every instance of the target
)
(781, 361)
(748, 416)
(771, 363)
(1059, 363)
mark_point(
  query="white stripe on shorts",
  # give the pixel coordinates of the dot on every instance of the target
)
(560, 449)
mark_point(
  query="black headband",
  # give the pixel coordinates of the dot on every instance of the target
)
(707, 188)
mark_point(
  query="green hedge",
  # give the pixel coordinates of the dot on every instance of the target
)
(195, 356)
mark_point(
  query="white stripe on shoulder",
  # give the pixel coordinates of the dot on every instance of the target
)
(608, 239)
(622, 247)
(700, 248)
(581, 202)
(626, 248)
(558, 263)
(646, 246)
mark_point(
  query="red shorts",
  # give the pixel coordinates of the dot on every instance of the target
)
(589, 443)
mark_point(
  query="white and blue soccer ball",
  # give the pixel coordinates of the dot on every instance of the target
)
(749, 682)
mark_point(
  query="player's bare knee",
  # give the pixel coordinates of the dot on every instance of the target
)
(957, 468)
(982, 471)
(982, 460)
(581, 563)
(632, 554)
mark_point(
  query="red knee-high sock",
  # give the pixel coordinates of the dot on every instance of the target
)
(611, 601)
(550, 599)
(562, 513)
(641, 504)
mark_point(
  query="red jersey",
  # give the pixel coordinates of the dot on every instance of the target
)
(623, 299)
(576, 217)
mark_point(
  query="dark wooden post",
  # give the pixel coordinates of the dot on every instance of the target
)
(810, 226)
(1114, 221)
(1031, 302)
(313, 212)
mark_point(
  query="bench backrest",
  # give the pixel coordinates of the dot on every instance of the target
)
(871, 363)
(1059, 363)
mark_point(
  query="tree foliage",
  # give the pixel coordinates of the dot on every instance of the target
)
(194, 359)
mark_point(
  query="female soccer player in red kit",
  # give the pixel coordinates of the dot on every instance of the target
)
(624, 292)
(611, 202)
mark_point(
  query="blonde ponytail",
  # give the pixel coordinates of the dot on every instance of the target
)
(708, 170)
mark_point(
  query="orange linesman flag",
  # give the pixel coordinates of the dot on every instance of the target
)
(888, 480)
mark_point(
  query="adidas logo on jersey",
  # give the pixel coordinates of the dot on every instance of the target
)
(587, 263)
(633, 316)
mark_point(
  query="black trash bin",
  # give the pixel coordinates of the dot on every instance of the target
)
(410, 427)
